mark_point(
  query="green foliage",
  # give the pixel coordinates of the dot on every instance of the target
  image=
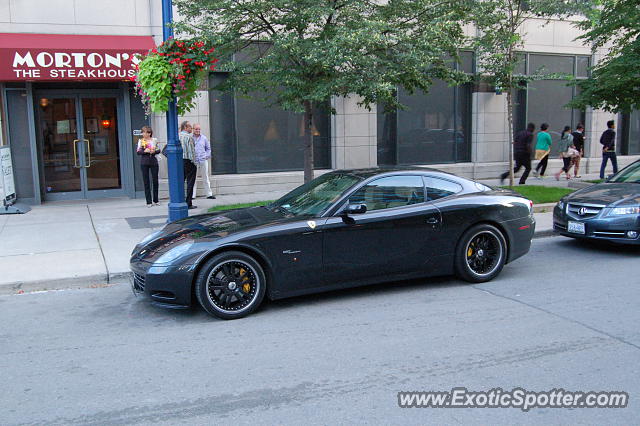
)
(294, 51)
(614, 84)
(154, 75)
(176, 68)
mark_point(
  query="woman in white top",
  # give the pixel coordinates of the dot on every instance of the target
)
(147, 150)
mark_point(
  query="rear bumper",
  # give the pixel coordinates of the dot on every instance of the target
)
(521, 233)
(165, 286)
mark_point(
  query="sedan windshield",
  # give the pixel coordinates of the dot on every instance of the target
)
(629, 175)
(314, 197)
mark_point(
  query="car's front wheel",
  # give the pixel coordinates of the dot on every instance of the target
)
(230, 285)
(480, 254)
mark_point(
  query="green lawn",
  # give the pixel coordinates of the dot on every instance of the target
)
(541, 194)
(595, 181)
(239, 206)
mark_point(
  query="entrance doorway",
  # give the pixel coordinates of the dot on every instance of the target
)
(80, 143)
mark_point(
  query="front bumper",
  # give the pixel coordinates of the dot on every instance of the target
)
(166, 286)
(599, 227)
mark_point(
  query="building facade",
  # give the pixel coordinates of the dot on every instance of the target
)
(71, 119)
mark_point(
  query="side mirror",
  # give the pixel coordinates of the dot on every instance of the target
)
(355, 209)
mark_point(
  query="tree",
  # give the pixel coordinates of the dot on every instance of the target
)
(500, 38)
(303, 52)
(614, 84)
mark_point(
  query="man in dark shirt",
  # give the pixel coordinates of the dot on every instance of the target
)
(608, 142)
(522, 153)
(578, 142)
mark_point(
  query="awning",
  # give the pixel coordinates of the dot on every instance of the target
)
(65, 57)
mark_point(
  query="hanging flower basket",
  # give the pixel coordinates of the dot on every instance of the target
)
(175, 68)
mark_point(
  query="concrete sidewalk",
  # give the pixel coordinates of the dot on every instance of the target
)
(84, 243)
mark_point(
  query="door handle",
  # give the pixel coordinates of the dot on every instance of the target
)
(88, 153)
(75, 154)
(432, 221)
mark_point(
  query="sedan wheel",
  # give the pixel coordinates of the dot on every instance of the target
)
(230, 285)
(481, 254)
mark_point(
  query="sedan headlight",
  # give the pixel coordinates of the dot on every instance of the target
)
(619, 211)
(561, 205)
(174, 253)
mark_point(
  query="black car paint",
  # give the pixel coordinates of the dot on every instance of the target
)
(607, 195)
(376, 246)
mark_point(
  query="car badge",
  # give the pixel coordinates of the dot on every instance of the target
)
(582, 211)
(312, 224)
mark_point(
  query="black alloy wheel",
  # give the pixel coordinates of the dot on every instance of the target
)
(480, 254)
(230, 285)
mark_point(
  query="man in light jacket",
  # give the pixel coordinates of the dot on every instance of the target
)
(203, 154)
(188, 160)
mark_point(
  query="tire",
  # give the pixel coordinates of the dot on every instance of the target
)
(231, 285)
(480, 254)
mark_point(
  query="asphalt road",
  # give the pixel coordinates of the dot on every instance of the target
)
(564, 316)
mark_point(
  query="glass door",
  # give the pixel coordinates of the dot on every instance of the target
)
(80, 143)
(101, 153)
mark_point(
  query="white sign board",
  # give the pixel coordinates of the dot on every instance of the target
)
(6, 172)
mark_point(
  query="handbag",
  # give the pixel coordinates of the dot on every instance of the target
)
(541, 153)
(572, 152)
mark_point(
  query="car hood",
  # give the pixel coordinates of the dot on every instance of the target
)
(207, 227)
(607, 194)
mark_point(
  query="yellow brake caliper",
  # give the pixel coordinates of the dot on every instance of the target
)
(246, 287)
(469, 251)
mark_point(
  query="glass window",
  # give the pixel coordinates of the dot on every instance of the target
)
(546, 100)
(389, 192)
(23, 163)
(547, 64)
(466, 62)
(582, 66)
(629, 133)
(434, 128)
(250, 136)
(440, 188)
(316, 196)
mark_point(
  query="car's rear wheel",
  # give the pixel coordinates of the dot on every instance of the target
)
(230, 285)
(480, 254)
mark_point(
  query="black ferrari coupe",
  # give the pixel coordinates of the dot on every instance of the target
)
(608, 211)
(343, 229)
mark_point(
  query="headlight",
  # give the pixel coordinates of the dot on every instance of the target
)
(174, 253)
(618, 211)
(149, 237)
(561, 205)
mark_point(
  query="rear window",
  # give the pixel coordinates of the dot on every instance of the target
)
(439, 188)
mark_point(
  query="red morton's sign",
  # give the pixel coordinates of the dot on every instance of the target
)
(59, 57)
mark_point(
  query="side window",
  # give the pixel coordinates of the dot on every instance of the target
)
(389, 192)
(440, 188)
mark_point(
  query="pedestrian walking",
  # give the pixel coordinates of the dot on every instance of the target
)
(203, 154)
(147, 150)
(608, 142)
(578, 143)
(522, 153)
(543, 148)
(188, 160)
(566, 151)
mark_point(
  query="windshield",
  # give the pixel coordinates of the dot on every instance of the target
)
(629, 175)
(314, 197)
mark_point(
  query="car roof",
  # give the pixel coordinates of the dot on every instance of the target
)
(375, 171)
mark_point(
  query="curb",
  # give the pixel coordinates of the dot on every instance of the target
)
(543, 208)
(86, 281)
(102, 280)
